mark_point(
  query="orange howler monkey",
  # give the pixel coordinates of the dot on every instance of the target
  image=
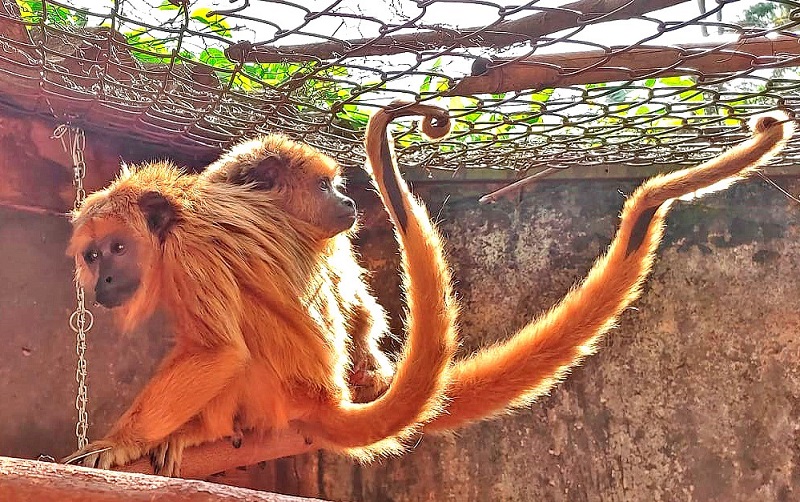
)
(260, 165)
(513, 373)
(258, 301)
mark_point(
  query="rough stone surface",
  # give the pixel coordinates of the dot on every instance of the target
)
(693, 397)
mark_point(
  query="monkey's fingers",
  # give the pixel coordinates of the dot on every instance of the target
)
(86, 456)
(166, 457)
(105, 454)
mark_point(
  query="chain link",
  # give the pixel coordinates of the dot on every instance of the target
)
(81, 320)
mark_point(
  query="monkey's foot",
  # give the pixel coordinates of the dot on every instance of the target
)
(237, 436)
(368, 384)
(166, 457)
(105, 454)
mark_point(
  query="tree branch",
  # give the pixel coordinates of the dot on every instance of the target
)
(590, 67)
(500, 35)
(27, 480)
(201, 461)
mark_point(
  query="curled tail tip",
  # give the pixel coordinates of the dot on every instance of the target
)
(763, 123)
(437, 126)
(436, 123)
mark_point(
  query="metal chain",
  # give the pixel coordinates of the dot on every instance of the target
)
(81, 320)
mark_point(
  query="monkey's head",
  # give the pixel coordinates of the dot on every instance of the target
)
(117, 239)
(304, 182)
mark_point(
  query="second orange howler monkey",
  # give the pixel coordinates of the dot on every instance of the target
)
(513, 373)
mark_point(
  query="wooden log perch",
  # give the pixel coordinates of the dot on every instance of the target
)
(496, 36)
(33, 481)
(202, 461)
(620, 64)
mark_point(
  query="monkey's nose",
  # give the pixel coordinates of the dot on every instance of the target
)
(108, 279)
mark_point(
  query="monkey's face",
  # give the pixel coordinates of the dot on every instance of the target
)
(112, 263)
(326, 208)
(115, 242)
(303, 182)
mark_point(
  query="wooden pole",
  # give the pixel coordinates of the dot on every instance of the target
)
(623, 64)
(498, 35)
(202, 461)
(34, 481)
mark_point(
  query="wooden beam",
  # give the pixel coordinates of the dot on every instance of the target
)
(621, 64)
(498, 35)
(33, 481)
(202, 461)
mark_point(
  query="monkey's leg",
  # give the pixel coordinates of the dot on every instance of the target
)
(184, 384)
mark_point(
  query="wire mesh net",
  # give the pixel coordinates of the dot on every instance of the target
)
(542, 84)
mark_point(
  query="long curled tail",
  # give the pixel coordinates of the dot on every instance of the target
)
(416, 394)
(514, 373)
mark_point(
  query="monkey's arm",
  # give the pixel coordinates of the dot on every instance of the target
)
(371, 371)
(181, 387)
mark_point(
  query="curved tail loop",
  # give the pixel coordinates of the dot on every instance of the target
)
(416, 394)
(512, 374)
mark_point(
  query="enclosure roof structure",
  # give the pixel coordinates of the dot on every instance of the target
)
(531, 87)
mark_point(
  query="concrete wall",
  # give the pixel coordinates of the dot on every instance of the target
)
(693, 398)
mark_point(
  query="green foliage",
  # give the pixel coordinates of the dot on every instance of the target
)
(766, 15)
(32, 11)
(214, 22)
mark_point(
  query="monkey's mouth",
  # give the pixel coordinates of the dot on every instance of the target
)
(349, 220)
(108, 303)
(116, 297)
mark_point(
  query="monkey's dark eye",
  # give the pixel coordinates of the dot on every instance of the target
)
(118, 248)
(91, 256)
(324, 184)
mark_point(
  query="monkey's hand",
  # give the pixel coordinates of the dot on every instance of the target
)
(166, 457)
(368, 382)
(106, 453)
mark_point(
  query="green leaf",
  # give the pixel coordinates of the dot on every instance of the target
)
(692, 95)
(426, 85)
(542, 96)
(30, 11)
(677, 81)
(216, 58)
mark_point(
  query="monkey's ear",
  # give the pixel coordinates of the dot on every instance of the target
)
(159, 212)
(265, 175)
(270, 171)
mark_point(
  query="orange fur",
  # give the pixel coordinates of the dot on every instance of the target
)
(514, 373)
(256, 300)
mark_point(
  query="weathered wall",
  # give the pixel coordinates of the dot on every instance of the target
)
(693, 398)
